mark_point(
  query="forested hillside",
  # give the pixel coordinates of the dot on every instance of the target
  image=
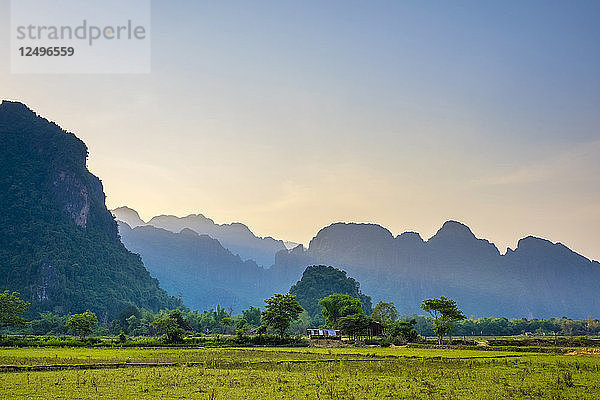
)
(319, 281)
(59, 245)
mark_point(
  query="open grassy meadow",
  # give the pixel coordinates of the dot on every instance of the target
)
(298, 373)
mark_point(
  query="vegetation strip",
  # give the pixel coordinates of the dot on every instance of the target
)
(56, 367)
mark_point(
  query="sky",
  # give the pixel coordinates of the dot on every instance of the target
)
(291, 115)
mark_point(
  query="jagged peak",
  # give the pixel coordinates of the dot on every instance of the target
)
(238, 226)
(129, 215)
(123, 225)
(125, 208)
(410, 236)
(189, 216)
(533, 241)
(297, 249)
(454, 229)
(17, 111)
(533, 245)
(198, 216)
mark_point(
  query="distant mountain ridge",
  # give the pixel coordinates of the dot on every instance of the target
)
(59, 245)
(236, 237)
(537, 279)
(198, 268)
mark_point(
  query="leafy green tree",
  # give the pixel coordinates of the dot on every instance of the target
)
(133, 324)
(227, 321)
(404, 330)
(354, 324)
(336, 306)
(300, 325)
(385, 313)
(261, 330)
(444, 312)
(169, 328)
(49, 323)
(172, 325)
(252, 316)
(216, 320)
(280, 311)
(11, 308)
(82, 324)
(124, 320)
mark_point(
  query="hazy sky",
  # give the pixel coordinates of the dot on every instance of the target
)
(289, 116)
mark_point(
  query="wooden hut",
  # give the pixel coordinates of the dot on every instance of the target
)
(375, 329)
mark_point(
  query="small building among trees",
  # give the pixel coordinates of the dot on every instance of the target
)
(324, 333)
(375, 329)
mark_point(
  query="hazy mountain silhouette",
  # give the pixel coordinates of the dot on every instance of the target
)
(236, 237)
(59, 245)
(129, 216)
(198, 268)
(538, 279)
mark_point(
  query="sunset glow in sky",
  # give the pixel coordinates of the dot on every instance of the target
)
(288, 116)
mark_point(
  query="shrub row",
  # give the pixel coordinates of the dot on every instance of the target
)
(200, 341)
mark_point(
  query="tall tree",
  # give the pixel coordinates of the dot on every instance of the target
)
(404, 330)
(172, 325)
(336, 306)
(444, 311)
(280, 311)
(82, 324)
(385, 313)
(252, 315)
(11, 308)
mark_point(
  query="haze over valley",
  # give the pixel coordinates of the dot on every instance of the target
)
(536, 279)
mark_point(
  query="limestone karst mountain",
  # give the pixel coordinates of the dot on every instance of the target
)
(59, 245)
(537, 279)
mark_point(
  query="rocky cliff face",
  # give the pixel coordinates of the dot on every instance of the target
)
(73, 197)
(59, 245)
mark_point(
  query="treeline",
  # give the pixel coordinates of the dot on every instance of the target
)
(504, 327)
(134, 321)
(138, 322)
(284, 315)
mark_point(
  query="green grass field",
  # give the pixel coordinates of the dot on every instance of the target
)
(298, 373)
